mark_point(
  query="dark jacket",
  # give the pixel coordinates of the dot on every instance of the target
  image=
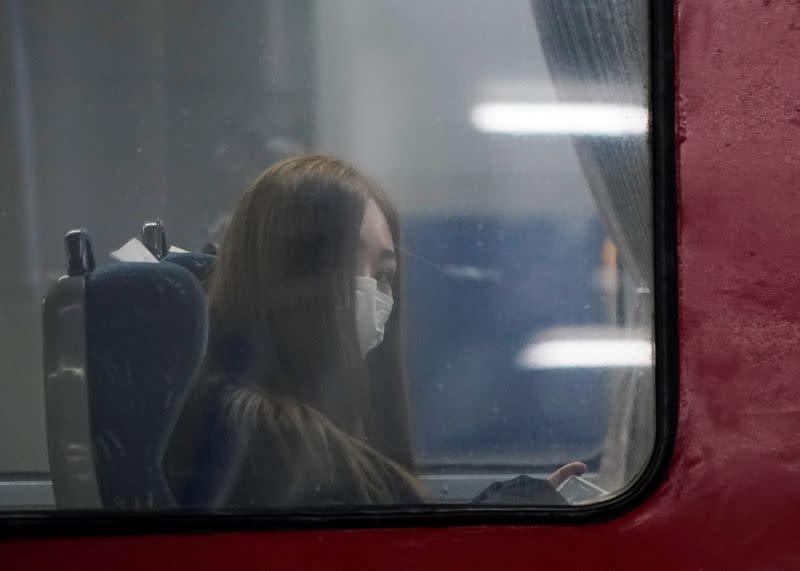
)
(237, 447)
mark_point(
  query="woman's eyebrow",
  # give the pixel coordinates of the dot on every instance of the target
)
(386, 254)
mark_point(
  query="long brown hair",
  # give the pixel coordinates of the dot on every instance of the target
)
(281, 300)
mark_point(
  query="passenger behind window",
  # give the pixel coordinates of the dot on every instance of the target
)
(303, 398)
(288, 411)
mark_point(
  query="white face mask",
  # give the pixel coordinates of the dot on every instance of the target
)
(372, 312)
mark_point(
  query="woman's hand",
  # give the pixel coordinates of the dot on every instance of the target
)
(571, 469)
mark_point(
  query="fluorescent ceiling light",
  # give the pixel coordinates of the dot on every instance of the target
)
(586, 354)
(519, 118)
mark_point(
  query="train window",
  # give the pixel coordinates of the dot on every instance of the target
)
(325, 254)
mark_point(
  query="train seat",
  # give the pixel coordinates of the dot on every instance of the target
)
(123, 344)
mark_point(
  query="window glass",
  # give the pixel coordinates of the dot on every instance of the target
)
(324, 253)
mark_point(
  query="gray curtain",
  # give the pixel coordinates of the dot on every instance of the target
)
(598, 52)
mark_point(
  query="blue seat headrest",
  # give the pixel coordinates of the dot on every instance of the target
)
(146, 336)
(198, 264)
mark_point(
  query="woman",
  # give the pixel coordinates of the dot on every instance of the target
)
(303, 399)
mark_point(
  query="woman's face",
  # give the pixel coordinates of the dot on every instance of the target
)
(376, 255)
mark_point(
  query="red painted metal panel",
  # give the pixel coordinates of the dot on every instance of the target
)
(733, 492)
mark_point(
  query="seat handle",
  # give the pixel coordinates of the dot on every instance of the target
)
(80, 258)
(154, 238)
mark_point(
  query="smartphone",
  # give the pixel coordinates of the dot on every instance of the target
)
(577, 490)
